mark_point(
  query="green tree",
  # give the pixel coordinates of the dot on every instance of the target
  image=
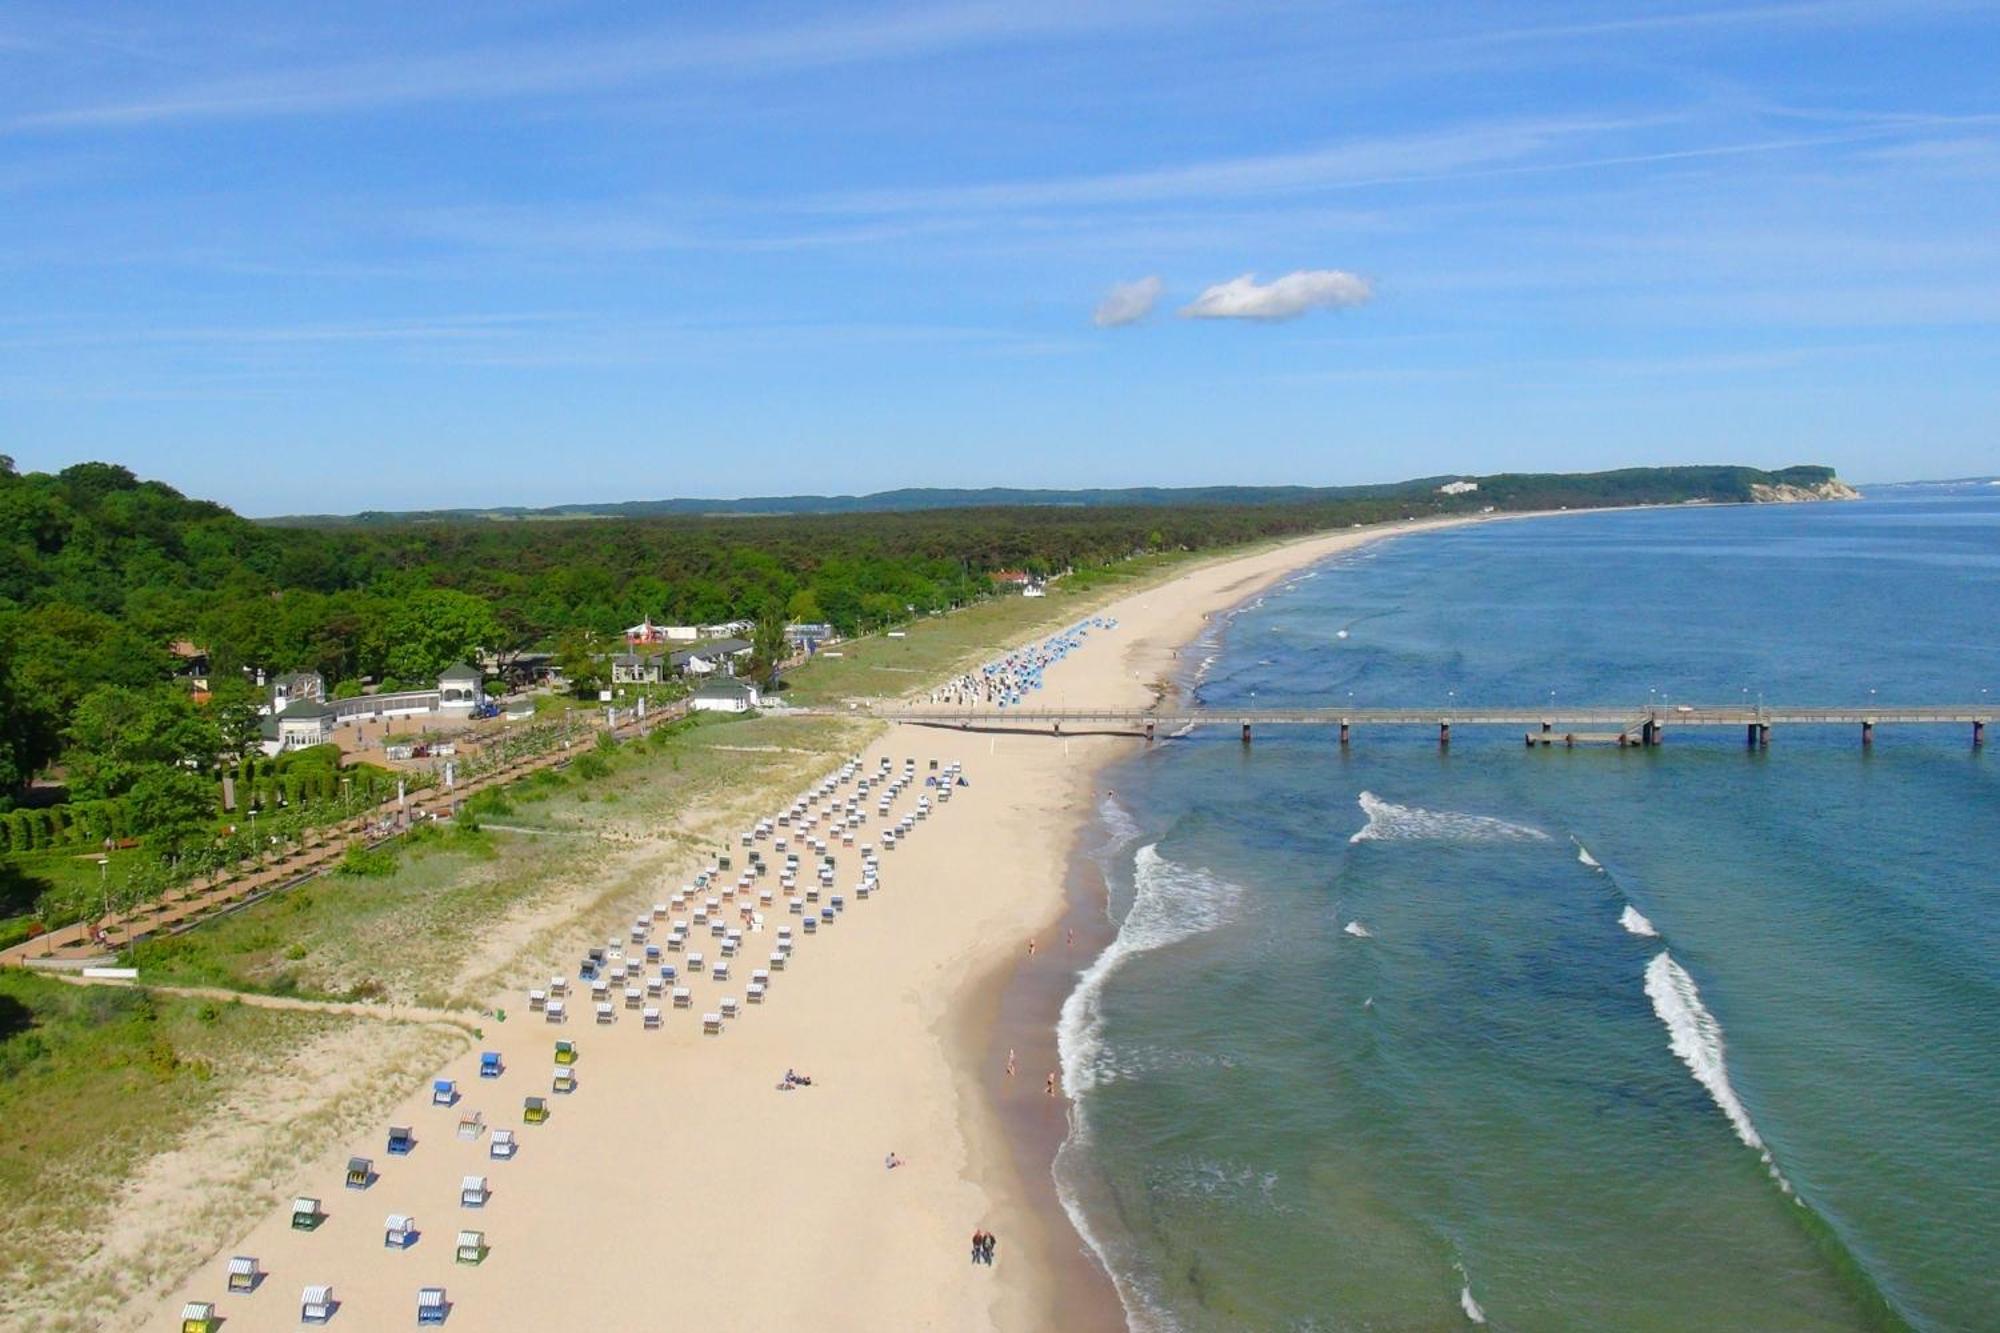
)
(429, 630)
(171, 808)
(120, 733)
(234, 706)
(767, 645)
(580, 657)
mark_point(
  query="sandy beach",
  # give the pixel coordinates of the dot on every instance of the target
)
(678, 1183)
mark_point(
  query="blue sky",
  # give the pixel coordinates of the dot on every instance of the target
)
(374, 256)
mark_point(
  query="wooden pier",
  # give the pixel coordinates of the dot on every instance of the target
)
(1646, 726)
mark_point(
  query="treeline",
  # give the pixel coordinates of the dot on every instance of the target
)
(100, 572)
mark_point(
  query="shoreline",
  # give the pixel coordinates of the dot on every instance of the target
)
(1023, 1015)
(676, 1148)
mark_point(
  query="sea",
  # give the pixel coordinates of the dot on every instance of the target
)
(1701, 1036)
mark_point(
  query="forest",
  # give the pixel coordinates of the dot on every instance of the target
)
(101, 572)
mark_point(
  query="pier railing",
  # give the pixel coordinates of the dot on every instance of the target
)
(1553, 725)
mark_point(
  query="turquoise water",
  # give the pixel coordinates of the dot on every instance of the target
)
(1380, 1044)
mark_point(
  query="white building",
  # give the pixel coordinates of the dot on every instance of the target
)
(726, 694)
(1458, 488)
(459, 686)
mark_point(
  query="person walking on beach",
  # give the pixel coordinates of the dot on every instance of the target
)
(986, 1250)
(1010, 1062)
(978, 1244)
(1050, 1086)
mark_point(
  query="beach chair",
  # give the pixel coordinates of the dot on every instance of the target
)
(718, 928)
(862, 890)
(711, 1025)
(244, 1274)
(399, 1232)
(565, 1052)
(471, 1247)
(838, 902)
(501, 1147)
(472, 1192)
(316, 1305)
(444, 1092)
(728, 949)
(360, 1173)
(198, 1317)
(558, 986)
(600, 991)
(306, 1214)
(537, 1001)
(489, 1064)
(633, 996)
(605, 1013)
(811, 924)
(564, 1080)
(652, 955)
(683, 997)
(777, 960)
(651, 1016)
(659, 910)
(755, 993)
(826, 916)
(765, 897)
(401, 1140)
(617, 974)
(760, 977)
(728, 1006)
(694, 962)
(534, 1110)
(432, 1308)
(556, 1012)
(471, 1125)
(655, 987)
(669, 974)
(796, 906)
(720, 972)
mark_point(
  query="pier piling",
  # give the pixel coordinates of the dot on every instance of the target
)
(1867, 732)
(1343, 731)
(1246, 733)
(1978, 734)
(1750, 735)
(1444, 734)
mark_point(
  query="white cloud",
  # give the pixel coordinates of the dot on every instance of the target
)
(1283, 298)
(1127, 303)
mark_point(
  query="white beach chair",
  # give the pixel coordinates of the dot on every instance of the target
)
(605, 1013)
(755, 993)
(711, 1025)
(432, 1308)
(683, 997)
(555, 1012)
(399, 1231)
(316, 1305)
(633, 995)
(728, 1006)
(651, 1017)
(502, 1146)
(694, 963)
(537, 1001)
(777, 960)
(244, 1273)
(720, 972)
(473, 1193)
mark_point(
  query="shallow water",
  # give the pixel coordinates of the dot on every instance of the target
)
(1696, 1036)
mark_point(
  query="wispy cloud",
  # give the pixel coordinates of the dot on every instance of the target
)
(498, 72)
(1281, 298)
(1127, 303)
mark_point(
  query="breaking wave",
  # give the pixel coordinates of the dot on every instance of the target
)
(1583, 855)
(1120, 829)
(1170, 903)
(1358, 931)
(1694, 1035)
(1635, 921)
(1470, 1306)
(1389, 822)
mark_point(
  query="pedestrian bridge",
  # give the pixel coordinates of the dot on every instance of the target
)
(1545, 724)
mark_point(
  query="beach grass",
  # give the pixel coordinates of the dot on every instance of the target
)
(441, 912)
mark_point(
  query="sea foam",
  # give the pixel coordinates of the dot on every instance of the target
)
(1358, 931)
(1470, 1306)
(1389, 822)
(1694, 1035)
(1170, 903)
(1583, 855)
(1635, 921)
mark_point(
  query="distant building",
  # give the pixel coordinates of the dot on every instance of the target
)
(1033, 590)
(1458, 488)
(638, 668)
(305, 723)
(727, 629)
(727, 695)
(1017, 578)
(191, 663)
(296, 686)
(460, 686)
(722, 655)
